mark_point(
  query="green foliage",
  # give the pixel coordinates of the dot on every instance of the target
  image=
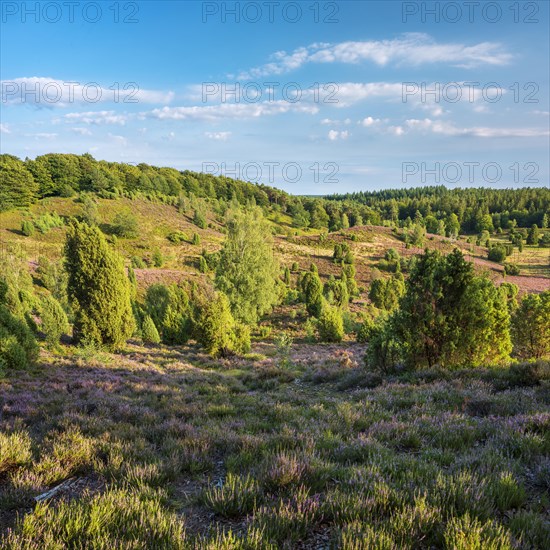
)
(137, 262)
(125, 225)
(348, 270)
(90, 213)
(98, 288)
(48, 221)
(199, 219)
(15, 451)
(531, 326)
(158, 258)
(384, 351)
(247, 270)
(336, 291)
(497, 253)
(469, 533)
(203, 265)
(54, 320)
(27, 228)
(118, 518)
(312, 291)
(18, 348)
(196, 239)
(386, 293)
(177, 237)
(533, 236)
(511, 269)
(169, 308)
(449, 317)
(18, 188)
(331, 324)
(218, 332)
(237, 497)
(149, 332)
(286, 277)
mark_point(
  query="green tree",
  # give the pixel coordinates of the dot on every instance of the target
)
(149, 331)
(54, 320)
(331, 324)
(17, 186)
(533, 235)
(98, 288)
(218, 332)
(171, 312)
(386, 293)
(125, 225)
(452, 225)
(449, 317)
(248, 271)
(312, 291)
(286, 277)
(531, 326)
(300, 216)
(27, 228)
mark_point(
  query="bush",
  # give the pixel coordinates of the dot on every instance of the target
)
(511, 269)
(497, 254)
(177, 237)
(137, 262)
(149, 332)
(168, 307)
(331, 324)
(18, 347)
(199, 219)
(217, 330)
(48, 221)
(27, 228)
(196, 239)
(384, 350)
(125, 225)
(98, 288)
(54, 320)
(158, 258)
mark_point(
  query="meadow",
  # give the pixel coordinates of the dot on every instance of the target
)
(294, 445)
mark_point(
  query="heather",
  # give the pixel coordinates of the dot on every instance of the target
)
(294, 445)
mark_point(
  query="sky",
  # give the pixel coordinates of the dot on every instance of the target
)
(311, 97)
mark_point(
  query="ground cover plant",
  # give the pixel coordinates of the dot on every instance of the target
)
(173, 449)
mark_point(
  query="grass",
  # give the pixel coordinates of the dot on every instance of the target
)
(171, 449)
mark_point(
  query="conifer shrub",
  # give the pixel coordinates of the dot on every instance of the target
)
(98, 288)
(18, 348)
(149, 332)
(27, 228)
(331, 324)
(54, 320)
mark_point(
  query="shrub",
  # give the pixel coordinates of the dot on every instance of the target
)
(384, 350)
(177, 237)
(158, 258)
(27, 228)
(137, 262)
(169, 308)
(48, 221)
(18, 347)
(196, 239)
(98, 288)
(54, 320)
(149, 332)
(15, 451)
(125, 225)
(497, 253)
(236, 497)
(215, 328)
(312, 290)
(531, 326)
(331, 324)
(466, 533)
(511, 269)
(199, 219)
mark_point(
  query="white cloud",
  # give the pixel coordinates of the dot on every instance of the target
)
(96, 117)
(48, 92)
(408, 49)
(4, 129)
(218, 136)
(230, 111)
(120, 140)
(334, 135)
(82, 131)
(449, 129)
(369, 121)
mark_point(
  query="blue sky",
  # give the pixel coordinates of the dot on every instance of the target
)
(329, 98)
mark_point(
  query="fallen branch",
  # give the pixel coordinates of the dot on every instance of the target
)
(57, 489)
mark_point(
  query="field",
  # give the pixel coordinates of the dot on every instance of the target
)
(157, 221)
(288, 447)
